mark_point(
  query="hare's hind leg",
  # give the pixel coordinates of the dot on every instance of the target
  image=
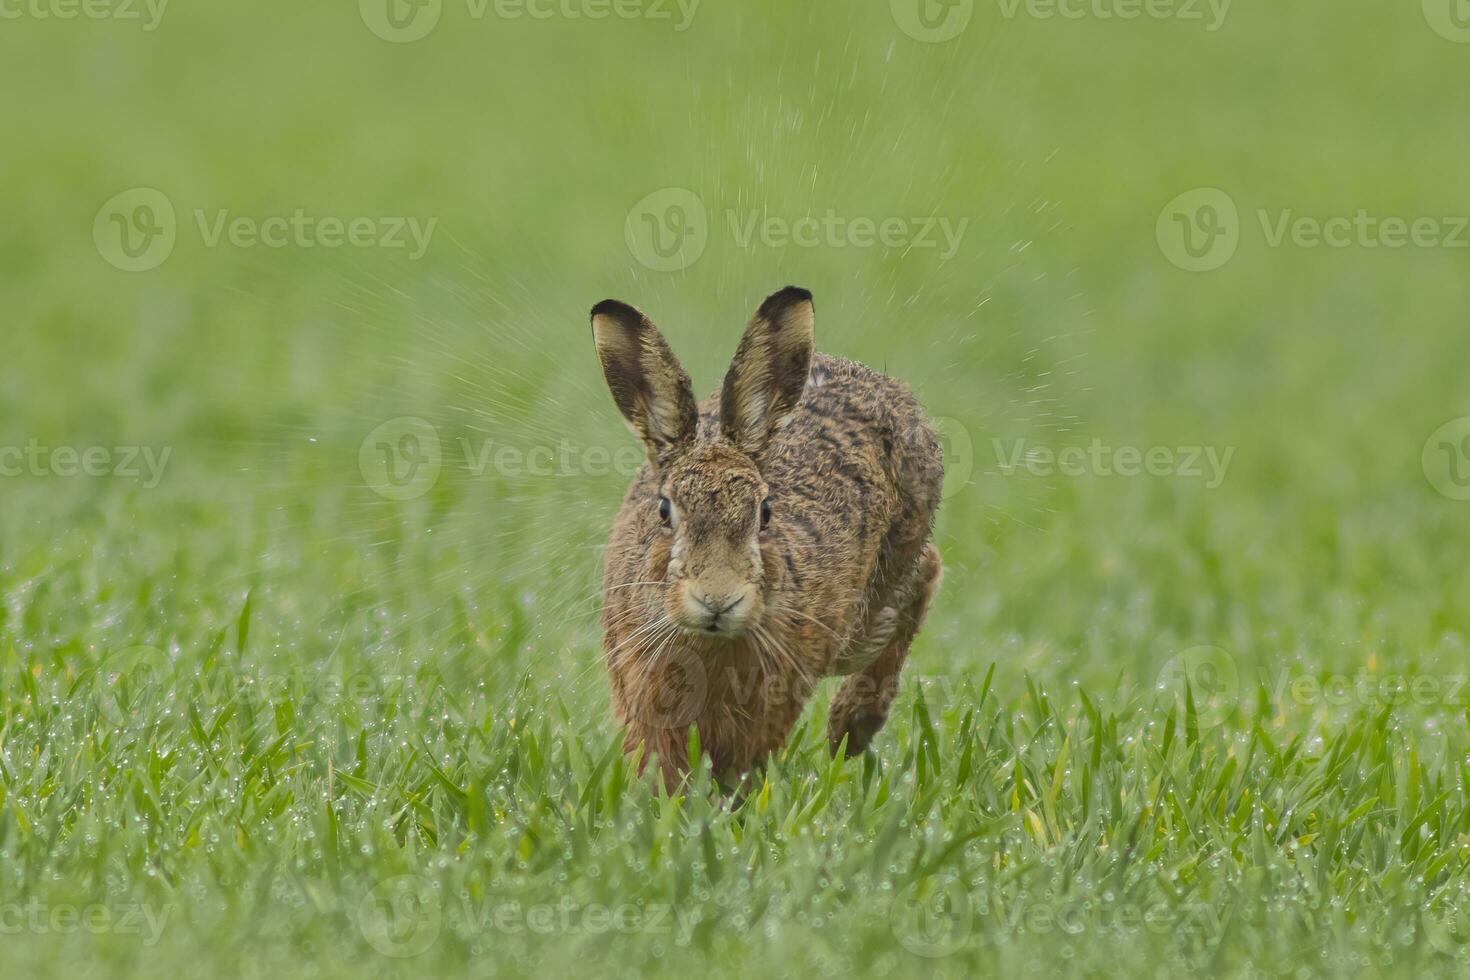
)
(861, 705)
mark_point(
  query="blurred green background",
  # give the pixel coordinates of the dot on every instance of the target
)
(541, 148)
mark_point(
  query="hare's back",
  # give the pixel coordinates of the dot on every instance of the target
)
(859, 432)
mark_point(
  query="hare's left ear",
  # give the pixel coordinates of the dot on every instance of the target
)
(650, 388)
(769, 372)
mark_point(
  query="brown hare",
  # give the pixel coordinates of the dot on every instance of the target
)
(776, 535)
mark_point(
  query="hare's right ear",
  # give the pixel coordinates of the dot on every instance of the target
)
(769, 372)
(650, 388)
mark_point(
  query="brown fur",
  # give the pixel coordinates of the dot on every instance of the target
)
(716, 622)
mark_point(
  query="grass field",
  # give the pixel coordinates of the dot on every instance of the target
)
(301, 519)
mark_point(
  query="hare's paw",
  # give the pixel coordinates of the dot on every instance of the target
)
(856, 721)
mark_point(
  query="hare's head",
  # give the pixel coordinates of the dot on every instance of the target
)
(712, 510)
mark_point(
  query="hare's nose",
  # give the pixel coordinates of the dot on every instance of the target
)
(720, 610)
(717, 605)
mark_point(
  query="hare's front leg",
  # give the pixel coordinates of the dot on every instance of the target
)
(665, 747)
(861, 705)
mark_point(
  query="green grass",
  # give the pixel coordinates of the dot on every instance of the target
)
(260, 719)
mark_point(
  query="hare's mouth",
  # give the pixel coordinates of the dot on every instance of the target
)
(717, 627)
(715, 617)
(719, 631)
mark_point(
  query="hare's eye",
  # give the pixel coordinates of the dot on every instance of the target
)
(765, 513)
(665, 510)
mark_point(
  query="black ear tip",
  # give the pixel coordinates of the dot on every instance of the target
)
(619, 311)
(779, 302)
